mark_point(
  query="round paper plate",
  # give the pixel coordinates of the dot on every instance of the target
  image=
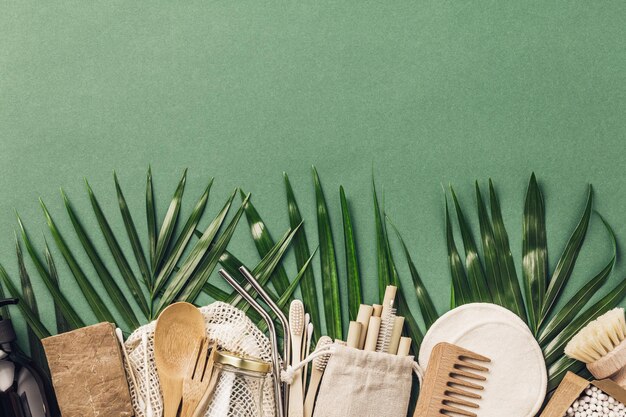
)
(517, 378)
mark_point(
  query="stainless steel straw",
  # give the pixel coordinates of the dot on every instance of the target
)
(281, 317)
(277, 366)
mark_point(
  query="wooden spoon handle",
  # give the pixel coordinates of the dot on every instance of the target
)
(172, 395)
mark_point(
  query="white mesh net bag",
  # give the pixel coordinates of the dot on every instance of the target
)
(233, 397)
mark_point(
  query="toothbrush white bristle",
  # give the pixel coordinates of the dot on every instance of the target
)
(599, 337)
(321, 361)
(296, 318)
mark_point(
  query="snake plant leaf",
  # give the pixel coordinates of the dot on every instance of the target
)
(264, 242)
(133, 236)
(582, 296)
(534, 253)
(510, 283)
(183, 240)
(28, 297)
(62, 324)
(566, 263)
(194, 286)
(554, 349)
(425, 302)
(194, 259)
(98, 306)
(557, 371)
(113, 290)
(169, 223)
(151, 219)
(302, 253)
(462, 291)
(382, 265)
(64, 305)
(265, 268)
(118, 255)
(31, 318)
(492, 269)
(328, 263)
(475, 274)
(355, 293)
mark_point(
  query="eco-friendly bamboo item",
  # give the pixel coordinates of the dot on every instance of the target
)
(404, 347)
(354, 334)
(388, 320)
(602, 346)
(363, 317)
(79, 361)
(396, 334)
(377, 310)
(446, 382)
(372, 334)
(296, 328)
(179, 330)
(198, 379)
(572, 387)
(317, 371)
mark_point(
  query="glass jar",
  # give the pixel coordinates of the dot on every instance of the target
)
(240, 389)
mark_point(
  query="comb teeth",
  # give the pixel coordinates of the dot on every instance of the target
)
(449, 387)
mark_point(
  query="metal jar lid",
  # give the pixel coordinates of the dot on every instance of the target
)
(242, 362)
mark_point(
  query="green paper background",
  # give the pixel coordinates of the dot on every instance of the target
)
(421, 93)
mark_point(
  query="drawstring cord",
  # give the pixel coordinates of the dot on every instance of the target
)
(288, 374)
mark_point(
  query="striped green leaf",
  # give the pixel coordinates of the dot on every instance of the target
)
(462, 292)
(382, 265)
(355, 293)
(62, 323)
(151, 219)
(169, 223)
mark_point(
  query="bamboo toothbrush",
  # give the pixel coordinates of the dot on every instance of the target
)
(602, 346)
(317, 370)
(296, 329)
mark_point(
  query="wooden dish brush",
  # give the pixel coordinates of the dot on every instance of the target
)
(602, 346)
(446, 382)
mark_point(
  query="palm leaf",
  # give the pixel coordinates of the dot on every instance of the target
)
(68, 311)
(28, 297)
(490, 252)
(461, 291)
(133, 236)
(183, 239)
(512, 291)
(193, 261)
(151, 219)
(475, 273)
(328, 263)
(566, 263)
(98, 307)
(264, 242)
(169, 223)
(355, 293)
(111, 287)
(194, 286)
(382, 265)
(302, 253)
(557, 371)
(4, 310)
(31, 318)
(534, 253)
(62, 324)
(118, 254)
(425, 302)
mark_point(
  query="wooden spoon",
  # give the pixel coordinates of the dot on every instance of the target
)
(178, 333)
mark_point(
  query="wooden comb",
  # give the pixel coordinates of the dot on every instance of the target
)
(447, 381)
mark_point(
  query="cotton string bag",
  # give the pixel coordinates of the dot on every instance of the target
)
(234, 332)
(362, 383)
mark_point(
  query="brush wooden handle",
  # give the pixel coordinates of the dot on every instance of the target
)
(309, 403)
(611, 365)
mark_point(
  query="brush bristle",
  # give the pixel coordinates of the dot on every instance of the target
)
(296, 318)
(321, 361)
(386, 329)
(599, 337)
